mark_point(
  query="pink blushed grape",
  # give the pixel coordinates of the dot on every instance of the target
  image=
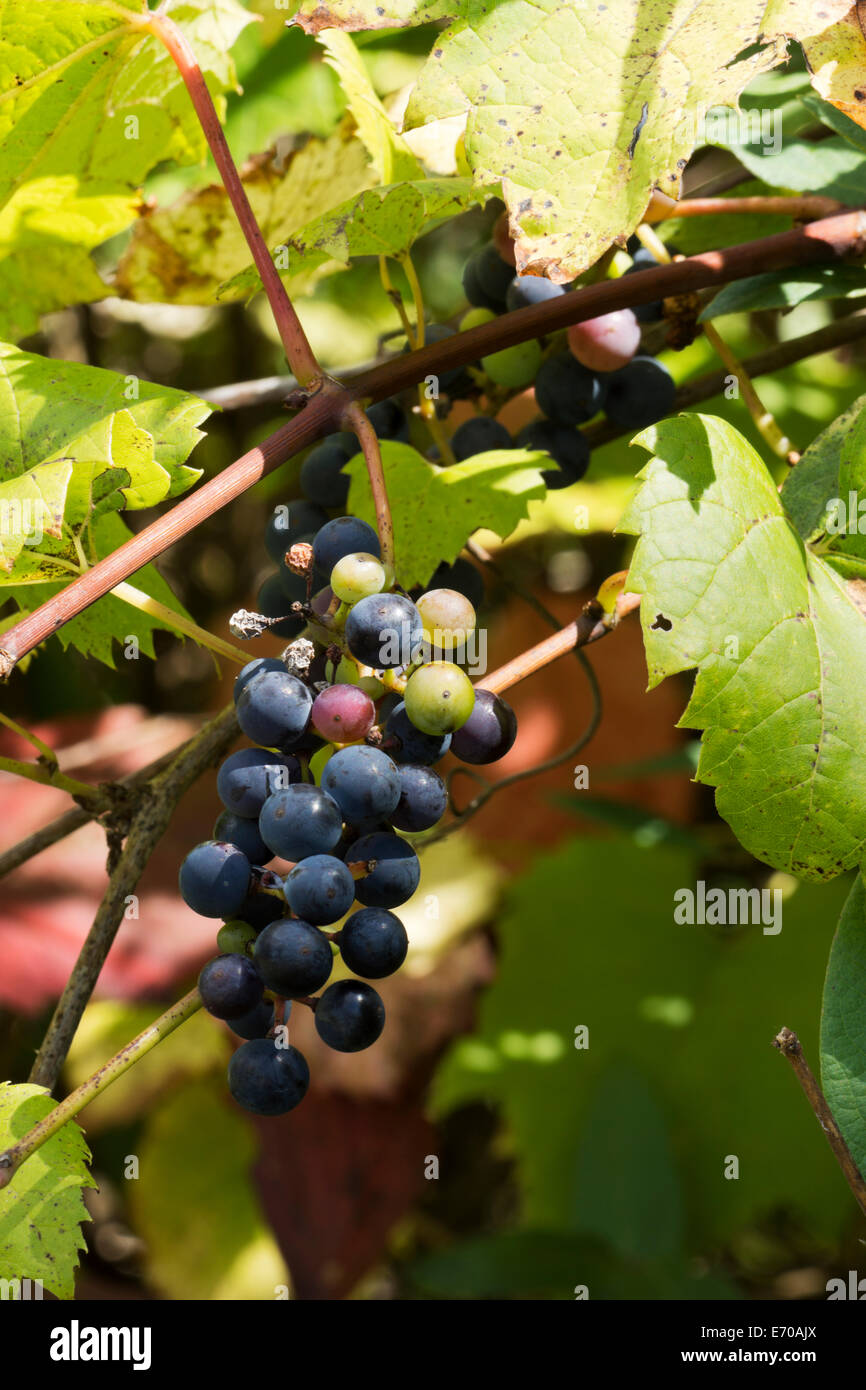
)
(605, 343)
(343, 713)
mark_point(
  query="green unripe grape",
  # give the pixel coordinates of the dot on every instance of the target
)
(318, 760)
(357, 576)
(514, 366)
(448, 618)
(475, 317)
(233, 938)
(439, 698)
(350, 672)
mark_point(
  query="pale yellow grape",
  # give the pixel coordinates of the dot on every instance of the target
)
(358, 576)
(448, 618)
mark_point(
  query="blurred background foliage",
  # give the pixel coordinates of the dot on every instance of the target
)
(557, 1166)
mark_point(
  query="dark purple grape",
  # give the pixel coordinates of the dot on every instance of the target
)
(411, 746)
(320, 889)
(373, 943)
(489, 731)
(266, 1079)
(345, 535)
(240, 831)
(568, 393)
(299, 821)
(530, 289)
(229, 986)
(384, 631)
(423, 799)
(567, 447)
(640, 394)
(293, 957)
(479, 436)
(397, 872)
(274, 602)
(247, 778)
(364, 782)
(214, 879)
(274, 709)
(350, 1016)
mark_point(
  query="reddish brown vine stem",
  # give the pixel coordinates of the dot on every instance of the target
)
(589, 627)
(298, 351)
(827, 240)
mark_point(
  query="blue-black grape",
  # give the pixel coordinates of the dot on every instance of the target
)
(274, 602)
(345, 535)
(489, 731)
(411, 745)
(473, 290)
(294, 586)
(384, 631)
(288, 524)
(320, 889)
(322, 478)
(293, 957)
(214, 879)
(254, 668)
(364, 782)
(257, 1022)
(274, 709)
(531, 289)
(566, 392)
(243, 832)
(229, 986)
(397, 871)
(299, 821)
(567, 447)
(373, 943)
(389, 420)
(260, 909)
(493, 275)
(266, 1079)
(349, 1016)
(479, 436)
(247, 778)
(423, 798)
(639, 394)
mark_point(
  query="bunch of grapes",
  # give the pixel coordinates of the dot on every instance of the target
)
(597, 367)
(346, 729)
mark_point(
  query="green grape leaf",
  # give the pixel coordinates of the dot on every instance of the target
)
(843, 1025)
(391, 157)
(436, 510)
(831, 167)
(779, 646)
(376, 222)
(822, 494)
(575, 114)
(194, 1206)
(183, 253)
(75, 443)
(110, 620)
(89, 105)
(41, 1210)
(656, 995)
(784, 289)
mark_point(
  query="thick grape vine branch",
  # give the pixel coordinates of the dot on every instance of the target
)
(828, 239)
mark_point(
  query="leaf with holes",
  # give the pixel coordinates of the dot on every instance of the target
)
(843, 1024)
(377, 222)
(41, 1210)
(436, 510)
(183, 253)
(779, 645)
(579, 116)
